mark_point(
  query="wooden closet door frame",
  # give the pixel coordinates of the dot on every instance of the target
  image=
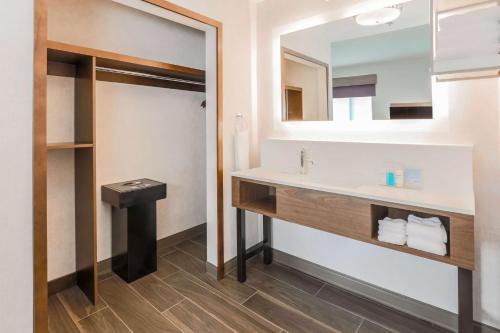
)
(40, 291)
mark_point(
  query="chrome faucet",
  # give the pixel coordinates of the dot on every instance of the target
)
(304, 161)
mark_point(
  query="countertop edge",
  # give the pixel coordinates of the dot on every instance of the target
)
(344, 191)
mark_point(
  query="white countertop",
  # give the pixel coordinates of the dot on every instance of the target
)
(462, 204)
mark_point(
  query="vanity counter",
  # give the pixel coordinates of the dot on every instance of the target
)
(419, 198)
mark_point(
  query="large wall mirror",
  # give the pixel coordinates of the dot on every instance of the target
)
(378, 66)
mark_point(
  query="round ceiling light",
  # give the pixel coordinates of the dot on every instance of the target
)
(379, 16)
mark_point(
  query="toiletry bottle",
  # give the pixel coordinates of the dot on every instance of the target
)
(391, 178)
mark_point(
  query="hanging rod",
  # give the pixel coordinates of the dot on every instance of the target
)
(149, 76)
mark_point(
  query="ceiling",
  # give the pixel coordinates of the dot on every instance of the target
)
(414, 13)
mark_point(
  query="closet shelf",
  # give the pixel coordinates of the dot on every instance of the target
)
(114, 67)
(68, 145)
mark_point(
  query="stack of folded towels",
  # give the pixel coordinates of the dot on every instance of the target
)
(392, 231)
(426, 234)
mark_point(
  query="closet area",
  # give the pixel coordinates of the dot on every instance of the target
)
(125, 100)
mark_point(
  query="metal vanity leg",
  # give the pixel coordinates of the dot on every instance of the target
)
(268, 237)
(240, 245)
(465, 301)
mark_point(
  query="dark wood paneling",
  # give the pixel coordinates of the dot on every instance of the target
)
(85, 240)
(191, 318)
(235, 316)
(146, 81)
(197, 268)
(63, 69)
(103, 321)
(157, 292)
(136, 313)
(40, 295)
(285, 317)
(310, 305)
(85, 100)
(58, 319)
(85, 182)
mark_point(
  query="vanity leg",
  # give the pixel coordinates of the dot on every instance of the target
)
(465, 301)
(240, 245)
(268, 237)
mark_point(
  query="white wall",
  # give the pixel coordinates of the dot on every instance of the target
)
(312, 82)
(398, 81)
(141, 131)
(468, 113)
(109, 26)
(16, 141)
(235, 16)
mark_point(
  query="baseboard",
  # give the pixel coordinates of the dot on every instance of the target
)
(61, 283)
(230, 265)
(104, 266)
(180, 237)
(402, 303)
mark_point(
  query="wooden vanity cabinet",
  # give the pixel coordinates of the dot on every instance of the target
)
(351, 216)
(339, 214)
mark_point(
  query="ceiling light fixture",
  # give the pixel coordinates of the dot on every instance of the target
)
(380, 16)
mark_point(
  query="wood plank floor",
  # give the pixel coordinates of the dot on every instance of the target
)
(181, 297)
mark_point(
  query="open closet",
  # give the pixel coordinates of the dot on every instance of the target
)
(109, 109)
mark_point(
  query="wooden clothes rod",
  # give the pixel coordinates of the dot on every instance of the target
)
(149, 76)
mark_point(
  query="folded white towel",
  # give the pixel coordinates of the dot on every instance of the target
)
(431, 221)
(431, 233)
(392, 223)
(396, 229)
(418, 243)
(391, 237)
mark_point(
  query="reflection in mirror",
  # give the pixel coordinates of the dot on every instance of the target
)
(380, 65)
(304, 87)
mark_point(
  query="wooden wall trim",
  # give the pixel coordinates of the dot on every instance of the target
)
(185, 12)
(220, 135)
(40, 296)
(220, 162)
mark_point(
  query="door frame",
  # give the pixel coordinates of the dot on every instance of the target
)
(40, 283)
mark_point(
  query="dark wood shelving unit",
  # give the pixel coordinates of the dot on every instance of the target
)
(68, 145)
(114, 67)
(83, 69)
(86, 66)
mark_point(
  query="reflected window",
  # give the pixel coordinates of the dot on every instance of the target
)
(352, 108)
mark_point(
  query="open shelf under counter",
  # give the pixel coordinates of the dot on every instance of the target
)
(68, 145)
